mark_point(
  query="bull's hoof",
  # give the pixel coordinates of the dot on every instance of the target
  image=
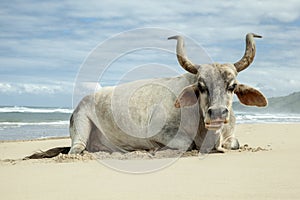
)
(235, 145)
(231, 144)
(221, 150)
(77, 149)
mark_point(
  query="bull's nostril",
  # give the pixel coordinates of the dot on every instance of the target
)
(225, 111)
(209, 112)
(217, 113)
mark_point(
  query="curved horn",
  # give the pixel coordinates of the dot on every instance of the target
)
(248, 57)
(181, 56)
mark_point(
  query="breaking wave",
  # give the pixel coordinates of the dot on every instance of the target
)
(19, 124)
(17, 109)
(243, 117)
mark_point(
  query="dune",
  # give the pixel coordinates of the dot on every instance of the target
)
(266, 167)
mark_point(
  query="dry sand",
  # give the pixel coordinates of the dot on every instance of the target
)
(268, 168)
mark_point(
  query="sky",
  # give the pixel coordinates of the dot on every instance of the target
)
(43, 44)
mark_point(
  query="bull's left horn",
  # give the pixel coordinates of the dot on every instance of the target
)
(249, 55)
(181, 56)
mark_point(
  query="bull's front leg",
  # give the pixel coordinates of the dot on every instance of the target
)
(219, 142)
(228, 141)
(210, 142)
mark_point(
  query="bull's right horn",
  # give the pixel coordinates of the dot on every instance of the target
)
(181, 56)
(248, 57)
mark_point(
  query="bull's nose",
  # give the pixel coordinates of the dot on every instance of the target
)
(217, 113)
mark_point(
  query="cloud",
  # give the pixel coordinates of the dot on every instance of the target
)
(43, 42)
(6, 87)
(272, 82)
(40, 89)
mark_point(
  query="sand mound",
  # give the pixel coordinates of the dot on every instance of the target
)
(246, 147)
(142, 155)
(135, 155)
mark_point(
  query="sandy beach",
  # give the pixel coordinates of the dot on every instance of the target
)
(267, 168)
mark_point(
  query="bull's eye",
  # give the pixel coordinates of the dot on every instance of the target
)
(232, 87)
(202, 87)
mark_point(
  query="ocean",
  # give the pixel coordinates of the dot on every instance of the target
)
(26, 123)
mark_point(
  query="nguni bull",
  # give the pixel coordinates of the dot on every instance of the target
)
(177, 112)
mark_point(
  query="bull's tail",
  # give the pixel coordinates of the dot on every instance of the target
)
(49, 153)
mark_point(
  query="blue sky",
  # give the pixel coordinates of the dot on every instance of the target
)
(44, 43)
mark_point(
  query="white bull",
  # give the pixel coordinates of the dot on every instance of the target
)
(178, 112)
(149, 114)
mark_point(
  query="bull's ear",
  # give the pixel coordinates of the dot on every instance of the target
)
(188, 96)
(250, 96)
